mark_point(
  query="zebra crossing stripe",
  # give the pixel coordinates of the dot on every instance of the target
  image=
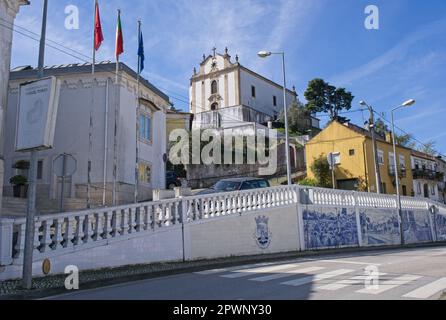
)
(346, 283)
(287, 273)
(390, 284)
(214, 271)
(428, 290)
(248, 272)
(318, 277)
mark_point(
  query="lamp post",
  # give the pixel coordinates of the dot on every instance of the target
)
(374, 145)
(408, 103)
(265, 54)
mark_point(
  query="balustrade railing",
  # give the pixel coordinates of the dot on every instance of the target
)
(57, 233)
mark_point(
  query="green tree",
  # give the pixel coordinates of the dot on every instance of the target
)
(297, 118)
(405, 140)
(321, 170)
(323, 97)
(381, 128)
(429, 148)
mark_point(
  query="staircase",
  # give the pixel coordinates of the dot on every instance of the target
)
(16, 207)
(13, 207)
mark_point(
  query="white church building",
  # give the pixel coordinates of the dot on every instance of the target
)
(225, 94)
(113, 144)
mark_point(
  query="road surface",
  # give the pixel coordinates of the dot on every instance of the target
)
(384, 275)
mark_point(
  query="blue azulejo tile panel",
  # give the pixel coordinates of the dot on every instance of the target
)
(441, 227)
(379, 227)
(416, 226)
(330, 228)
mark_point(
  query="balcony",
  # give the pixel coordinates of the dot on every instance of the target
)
(402, 172)
(230, 117)
(427, 174)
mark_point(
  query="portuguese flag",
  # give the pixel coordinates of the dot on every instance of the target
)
(119, 37)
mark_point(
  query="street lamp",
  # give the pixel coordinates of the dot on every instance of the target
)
(265, 54)
(408, 103)
(375, 153)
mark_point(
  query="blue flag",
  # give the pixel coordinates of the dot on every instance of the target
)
(141, 53)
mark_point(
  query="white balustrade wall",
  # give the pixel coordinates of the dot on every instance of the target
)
(167, 230)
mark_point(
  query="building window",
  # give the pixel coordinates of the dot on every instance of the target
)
(384, 187)
(433, 190)
(145, 173)
(404, 190)
(402, 162)
(351, 152)
(214, 106)
(380, 157)
(145, 127)
(40, 170)
(253, 91)
(214, 88)
(419, 188)
(22, 168)
(275, 101)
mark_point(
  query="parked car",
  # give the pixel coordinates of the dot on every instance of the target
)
(172, 180)
(236, 184)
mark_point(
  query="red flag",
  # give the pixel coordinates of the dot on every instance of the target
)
(98, 37)
(119, 37)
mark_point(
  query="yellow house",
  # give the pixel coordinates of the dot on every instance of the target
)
(177, 120)
(355, 169)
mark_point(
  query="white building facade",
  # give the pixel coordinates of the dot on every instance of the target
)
(114, 134)
(8, 12)
(225, 94)
(426, 176)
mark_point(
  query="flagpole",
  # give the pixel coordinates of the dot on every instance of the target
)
(94, 36)
(117, 55)
(137, 115)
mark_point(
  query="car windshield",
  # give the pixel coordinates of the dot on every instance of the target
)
(227, 186)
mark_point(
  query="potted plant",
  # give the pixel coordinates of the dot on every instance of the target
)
(21, 165)
(20, 186)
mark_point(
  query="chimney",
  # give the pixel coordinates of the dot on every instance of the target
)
(389, 136)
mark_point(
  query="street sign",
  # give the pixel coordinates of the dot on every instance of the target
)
(334, 158)
(65, 165)
(36, 114)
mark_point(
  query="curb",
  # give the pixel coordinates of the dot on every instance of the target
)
(90, 279)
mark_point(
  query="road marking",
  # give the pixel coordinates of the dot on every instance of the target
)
(346, 283)
(208, 272)
(286, 273)
(248, 272)
(427, 291)
(390, 284)
(351, 262)
(214, 271)
(318, 277)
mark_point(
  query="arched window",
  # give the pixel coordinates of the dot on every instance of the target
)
(214, 106)
(214, 87)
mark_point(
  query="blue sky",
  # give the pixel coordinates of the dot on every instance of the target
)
(405, 58)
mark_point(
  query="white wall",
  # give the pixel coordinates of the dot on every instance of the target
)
(72, 133)
(265, 91)
(235, 235)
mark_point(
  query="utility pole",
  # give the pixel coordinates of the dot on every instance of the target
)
(375, 147)
(30, 223)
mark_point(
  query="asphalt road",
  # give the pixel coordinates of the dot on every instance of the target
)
(384, 275)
